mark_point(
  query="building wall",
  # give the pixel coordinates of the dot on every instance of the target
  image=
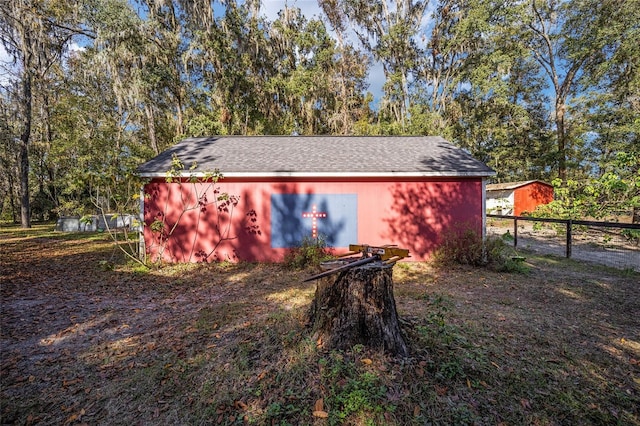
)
(528, 197)
(500, 202)
(269, 216)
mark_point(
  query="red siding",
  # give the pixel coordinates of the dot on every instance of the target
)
(412, 214)
(528, 197)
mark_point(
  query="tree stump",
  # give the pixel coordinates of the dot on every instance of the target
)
(357, 307)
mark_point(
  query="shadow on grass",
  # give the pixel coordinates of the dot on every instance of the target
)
(225, 343)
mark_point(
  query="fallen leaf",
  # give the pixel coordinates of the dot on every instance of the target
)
(75, 417)
(66, 383)
(319, 405)
(321, 414)
(441, 390)
(416, 411)
(241, 405)
(366, 361)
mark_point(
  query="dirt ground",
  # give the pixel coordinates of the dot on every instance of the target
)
(599, 246)
(86, 341)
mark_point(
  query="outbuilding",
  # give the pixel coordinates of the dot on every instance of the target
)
(516, 198)
(277, 191)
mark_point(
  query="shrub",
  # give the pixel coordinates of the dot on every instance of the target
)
(310, 252)
(461, 246)
(632, 235)
(467, 247)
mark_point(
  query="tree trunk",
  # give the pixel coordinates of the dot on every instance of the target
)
(12, 196)
(357, 307)
(151, 128)
(562, 138)
(25, 207)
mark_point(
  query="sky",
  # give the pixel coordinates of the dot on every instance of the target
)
(5, 65)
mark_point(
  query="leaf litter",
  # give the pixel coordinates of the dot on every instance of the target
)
(227, 344)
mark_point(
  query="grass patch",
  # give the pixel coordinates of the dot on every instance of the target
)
(228, 344)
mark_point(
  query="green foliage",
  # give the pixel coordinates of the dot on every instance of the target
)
(478, 75)
(515, 264)
(507, 236)
(616, 192)
(465, 246)
(354, 394)
(309, 253)
(632, 235)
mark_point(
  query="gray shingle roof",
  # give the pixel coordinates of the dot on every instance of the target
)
(322, 156)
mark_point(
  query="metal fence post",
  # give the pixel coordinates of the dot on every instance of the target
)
(569, 239)
(515, 232)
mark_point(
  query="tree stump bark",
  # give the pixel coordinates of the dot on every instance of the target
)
(357, 307)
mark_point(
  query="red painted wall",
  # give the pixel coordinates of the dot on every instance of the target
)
(412, 214)
(526, 198)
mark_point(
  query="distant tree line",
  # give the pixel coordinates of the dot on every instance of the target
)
(537, 89)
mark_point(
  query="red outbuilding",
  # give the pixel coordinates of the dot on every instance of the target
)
(278, 190)
(516, 198)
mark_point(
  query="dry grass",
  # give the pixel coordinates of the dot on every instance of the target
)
(227, 344)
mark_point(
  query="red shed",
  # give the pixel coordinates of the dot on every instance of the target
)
(515, 198)
(345, 189)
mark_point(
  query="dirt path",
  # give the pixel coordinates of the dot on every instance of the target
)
(587, 247)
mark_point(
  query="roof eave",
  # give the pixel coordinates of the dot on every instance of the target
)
(288, 174)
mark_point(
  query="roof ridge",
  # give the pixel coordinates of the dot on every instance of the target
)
(321, 155)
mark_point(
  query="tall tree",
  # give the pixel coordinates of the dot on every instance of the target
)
(35, 34)
(568, 39)
(9, 159)
(486, 86)
(351, 67)
(387, 29)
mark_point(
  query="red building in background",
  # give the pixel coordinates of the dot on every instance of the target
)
(516, 198)
(406, 191)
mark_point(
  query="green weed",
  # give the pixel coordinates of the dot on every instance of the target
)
(309, 253)
(355, 395)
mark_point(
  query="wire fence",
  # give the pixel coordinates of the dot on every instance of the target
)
(606, 243)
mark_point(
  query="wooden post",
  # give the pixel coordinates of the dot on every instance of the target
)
(515, 232)
(569, 238)
(357, 307)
